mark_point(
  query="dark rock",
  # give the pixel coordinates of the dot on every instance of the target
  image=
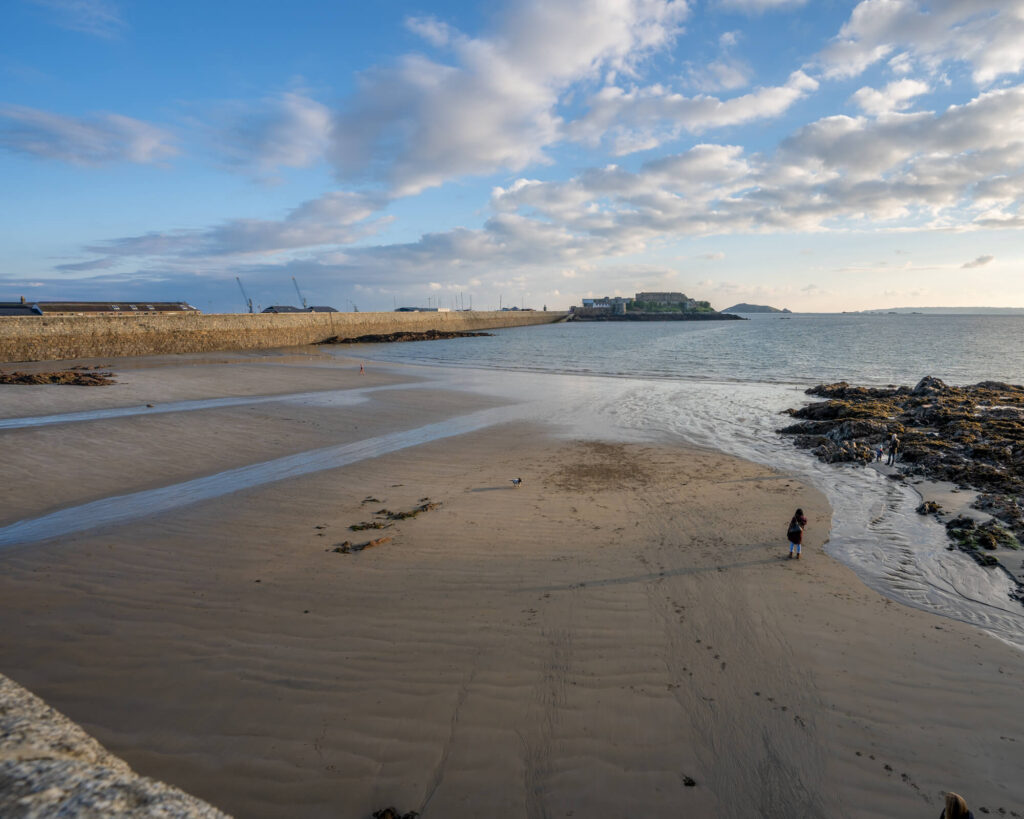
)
(929, 385)
(961, 522)
(74, 377)
(858, 428)
(385, 338)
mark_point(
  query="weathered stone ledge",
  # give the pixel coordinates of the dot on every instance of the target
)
(50, 767)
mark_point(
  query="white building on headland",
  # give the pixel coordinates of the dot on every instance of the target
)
(616, 304)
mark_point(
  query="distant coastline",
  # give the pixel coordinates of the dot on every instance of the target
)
(945, 311)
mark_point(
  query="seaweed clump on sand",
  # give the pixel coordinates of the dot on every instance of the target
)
(348, 547)
(405, 335)
(385, 517)
(77, 376)
(972, 436)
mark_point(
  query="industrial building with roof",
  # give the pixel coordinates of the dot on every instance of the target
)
(78, 308)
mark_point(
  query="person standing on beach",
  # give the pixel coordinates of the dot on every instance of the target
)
(894, 447)
(956, 808)
(795, 532)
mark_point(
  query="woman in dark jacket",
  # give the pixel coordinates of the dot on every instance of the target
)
(796, 532)
(956, 808)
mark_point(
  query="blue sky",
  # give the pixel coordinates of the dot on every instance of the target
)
(811, 154)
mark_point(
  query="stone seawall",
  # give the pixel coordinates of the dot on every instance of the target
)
(49, 766)
(50, 338)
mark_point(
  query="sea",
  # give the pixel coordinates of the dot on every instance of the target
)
(724, 385)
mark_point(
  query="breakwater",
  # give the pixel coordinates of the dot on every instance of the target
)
(53, 338)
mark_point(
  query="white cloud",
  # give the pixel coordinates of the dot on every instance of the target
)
(897, 170)
(896, 96)
(96, 140)
(94, 264)
(335, 218)
(420, 122)
(905, 170)
(983, 135)
(643, 118)
(981, 261)
(290, 130)
(100, 18)
(988, 35)
(726, 73)
(432, 30)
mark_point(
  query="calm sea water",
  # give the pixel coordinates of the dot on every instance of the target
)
(724, 385)
(769, 348)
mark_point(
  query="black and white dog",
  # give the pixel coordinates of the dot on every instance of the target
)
(516, 482)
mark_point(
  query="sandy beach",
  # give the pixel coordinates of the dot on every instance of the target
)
(622, 635)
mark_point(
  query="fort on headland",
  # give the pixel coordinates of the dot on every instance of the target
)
(647, 306)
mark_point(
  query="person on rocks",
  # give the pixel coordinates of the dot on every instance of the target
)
(956, 808)
(795, 533)
(894, 448)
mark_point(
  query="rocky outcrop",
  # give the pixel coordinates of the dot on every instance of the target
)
(50, 767)
(74, 376)
(972, 436)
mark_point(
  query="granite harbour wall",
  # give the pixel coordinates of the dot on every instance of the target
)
(50, 767)
(52, 338)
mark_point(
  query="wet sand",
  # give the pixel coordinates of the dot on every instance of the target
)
(624, 622)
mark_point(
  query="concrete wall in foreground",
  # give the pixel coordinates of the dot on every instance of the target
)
(49, 338)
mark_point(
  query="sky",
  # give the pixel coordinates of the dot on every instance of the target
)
(816, 155)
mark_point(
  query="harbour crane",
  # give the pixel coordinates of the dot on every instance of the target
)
(301, 299)
(248, 301)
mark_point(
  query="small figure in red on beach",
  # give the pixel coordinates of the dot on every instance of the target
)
(795, 533)
(361, 370)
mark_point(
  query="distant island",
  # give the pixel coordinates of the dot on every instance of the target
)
(743, 307)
